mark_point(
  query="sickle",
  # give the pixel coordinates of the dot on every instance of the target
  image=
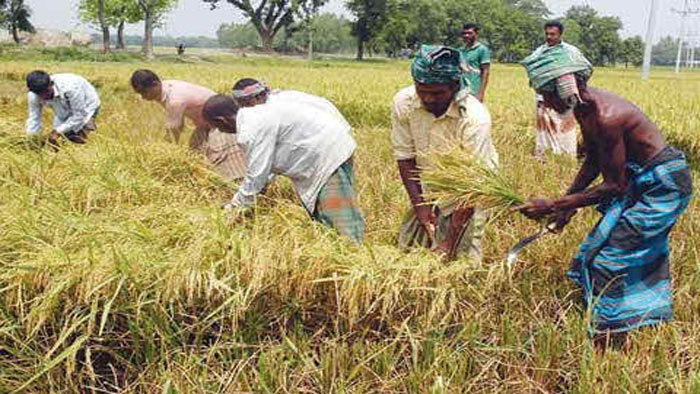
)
(512, 257)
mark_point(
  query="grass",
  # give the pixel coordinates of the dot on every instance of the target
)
(118, 272)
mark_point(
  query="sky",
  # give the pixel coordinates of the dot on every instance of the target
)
(194, 17)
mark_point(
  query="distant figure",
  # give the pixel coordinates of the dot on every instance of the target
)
(555, 132)
(306, 143)
(181, 49)
(623, 266)
(74, 101)
(431, 116)
(185, 100)
(476, 58)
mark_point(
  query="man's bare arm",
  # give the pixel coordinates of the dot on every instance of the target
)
(588, 172)
(198, 138)
(485, 73)
(424, 212)
(410, 177)
(612, 158)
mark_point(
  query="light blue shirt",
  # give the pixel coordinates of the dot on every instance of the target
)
(74, 103)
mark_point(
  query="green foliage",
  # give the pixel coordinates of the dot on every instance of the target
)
(665, 51)
(511, 29)
(66, 54)
(169, 41)
(115, 11)
(632, 51)
(370, 16)
(535, 8)
(331, 34)
(597, 36)
(14, 16)
(238, 35)
(270, 17)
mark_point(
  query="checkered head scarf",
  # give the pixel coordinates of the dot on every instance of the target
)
(250, 91)
(435, 64)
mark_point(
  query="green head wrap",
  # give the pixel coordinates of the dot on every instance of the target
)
(437, 64)
(547, 64)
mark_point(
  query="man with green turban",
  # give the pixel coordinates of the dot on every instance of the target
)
(435, 114)
(623, 265)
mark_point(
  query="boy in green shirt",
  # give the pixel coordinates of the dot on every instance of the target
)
(476, 60)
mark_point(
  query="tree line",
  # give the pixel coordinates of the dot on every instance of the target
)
(511, 28)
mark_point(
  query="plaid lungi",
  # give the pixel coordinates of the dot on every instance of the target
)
(336, 205)
(623, 265)
(555, 132)
(412, 234)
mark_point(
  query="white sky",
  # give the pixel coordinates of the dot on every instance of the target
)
(193, 17)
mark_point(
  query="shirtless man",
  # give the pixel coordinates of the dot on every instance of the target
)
(623, 265)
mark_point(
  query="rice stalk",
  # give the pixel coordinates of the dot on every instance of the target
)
(457, 177)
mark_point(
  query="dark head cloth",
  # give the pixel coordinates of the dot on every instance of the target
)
(437, 64)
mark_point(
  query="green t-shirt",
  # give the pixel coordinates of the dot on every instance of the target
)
(473, 58)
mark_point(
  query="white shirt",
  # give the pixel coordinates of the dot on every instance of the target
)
(301, 139)
(74, 104)
(301, 97)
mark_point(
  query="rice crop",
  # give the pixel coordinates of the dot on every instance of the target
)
(119, 273)
(457, 177)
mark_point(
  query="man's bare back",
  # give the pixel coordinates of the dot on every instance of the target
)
(606, 116)
(615, 132)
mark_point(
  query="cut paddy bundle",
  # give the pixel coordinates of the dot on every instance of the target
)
(457, 177)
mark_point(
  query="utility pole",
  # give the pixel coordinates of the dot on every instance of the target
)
(682, 37)
(646, 70)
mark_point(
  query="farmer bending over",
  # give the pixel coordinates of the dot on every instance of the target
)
(623, 265)
(436, 114)
(248, 92)
(310, 145)
(185, 100)
(74, 101)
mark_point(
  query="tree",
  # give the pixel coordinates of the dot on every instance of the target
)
(14, 15)
(238, 35)
(536, 8)
(632, 51)
(370, 16)
(599, 36)
(331, 34)
(152, 11)
(411, 23)
(103, 25)
(665, 51)
(115, 13)
(270, 16)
